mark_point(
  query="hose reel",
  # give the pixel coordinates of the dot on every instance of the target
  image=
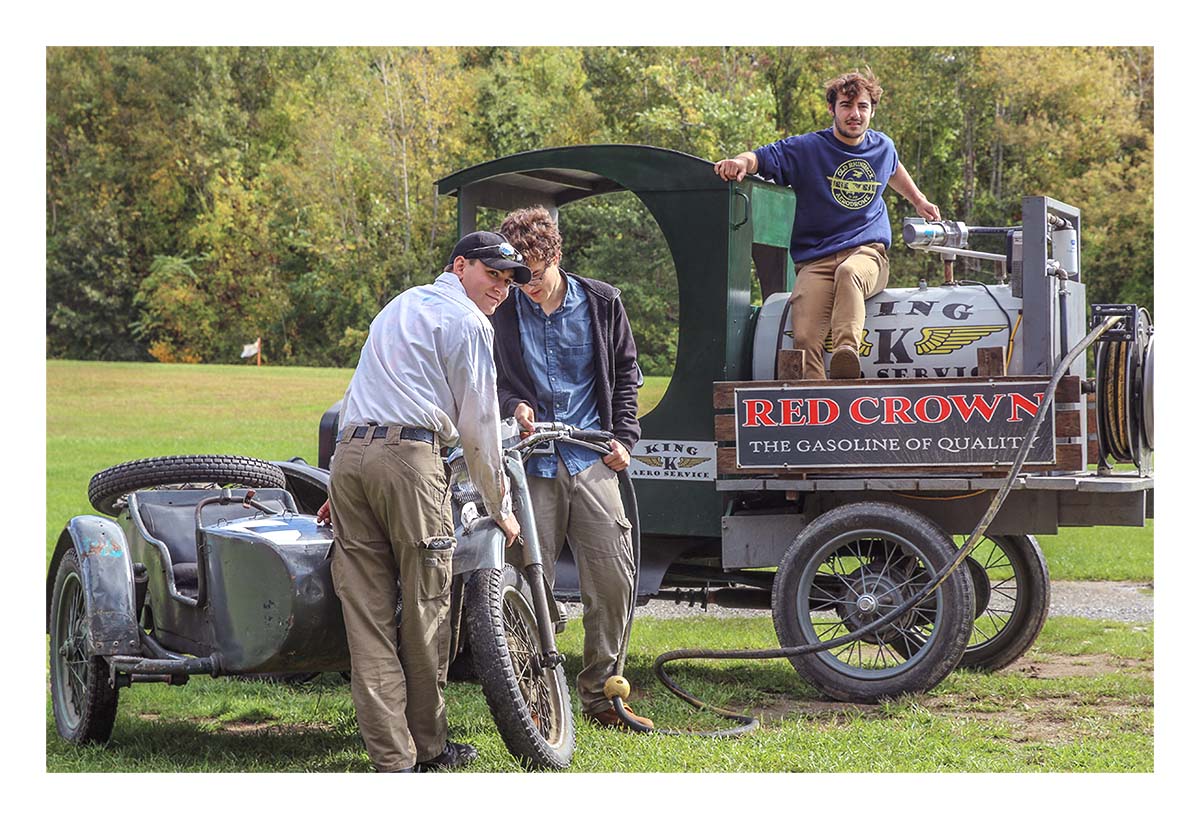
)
(1125, 386)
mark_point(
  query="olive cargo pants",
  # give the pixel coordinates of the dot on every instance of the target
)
(587, 510)
(391, 515)
(829, 294)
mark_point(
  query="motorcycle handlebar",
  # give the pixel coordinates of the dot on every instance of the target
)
(558, 431)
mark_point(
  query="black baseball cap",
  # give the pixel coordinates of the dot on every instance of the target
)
(494, 251)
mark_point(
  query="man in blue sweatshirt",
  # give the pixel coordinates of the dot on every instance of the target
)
(841, 232)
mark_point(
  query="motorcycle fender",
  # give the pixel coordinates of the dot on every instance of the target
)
(107, 576)
(480, 548)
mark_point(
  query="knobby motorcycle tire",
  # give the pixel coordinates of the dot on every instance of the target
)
(108, 486)
(528, 737)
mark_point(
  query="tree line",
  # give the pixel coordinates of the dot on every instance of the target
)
(198, 198)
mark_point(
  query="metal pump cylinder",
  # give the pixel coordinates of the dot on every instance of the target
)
(919, 233)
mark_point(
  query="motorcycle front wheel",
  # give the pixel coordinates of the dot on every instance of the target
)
(531, 704)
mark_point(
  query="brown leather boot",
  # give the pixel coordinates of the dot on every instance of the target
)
(844, 363)
(609, 719)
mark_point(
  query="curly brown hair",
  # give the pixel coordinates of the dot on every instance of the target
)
(533, 232)
(851, 85)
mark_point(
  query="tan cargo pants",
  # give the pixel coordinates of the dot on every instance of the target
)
(587, 510)
(391, 515)
(829, 294)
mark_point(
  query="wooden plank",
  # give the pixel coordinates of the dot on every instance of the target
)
(1067, 424)
(724, 426)
(788, 484)
(741, 485)
(943, 484)
(841, 485)
(991, 361)
(790, 365)
(1069, 390)
(1069, 457)
(893, 484)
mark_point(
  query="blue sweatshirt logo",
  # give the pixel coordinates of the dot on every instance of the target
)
(853, 184)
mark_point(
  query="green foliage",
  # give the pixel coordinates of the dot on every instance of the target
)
(178, 318)
(533, 98)
(297, 184)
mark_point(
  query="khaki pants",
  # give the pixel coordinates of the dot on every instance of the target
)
(586, 509)
(829, 294)
(391, 519)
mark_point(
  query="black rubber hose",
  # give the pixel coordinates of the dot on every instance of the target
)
(812, 648)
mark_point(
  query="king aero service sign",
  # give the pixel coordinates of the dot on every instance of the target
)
(976, 423)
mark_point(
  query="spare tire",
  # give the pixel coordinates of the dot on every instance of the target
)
(108, 486)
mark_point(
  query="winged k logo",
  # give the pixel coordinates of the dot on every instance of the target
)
(670, 461)
(945, 340)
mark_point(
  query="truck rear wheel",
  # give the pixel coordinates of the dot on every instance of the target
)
(1012, 599)
(854, 565)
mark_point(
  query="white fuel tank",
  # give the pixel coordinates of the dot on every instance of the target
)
(912, 332)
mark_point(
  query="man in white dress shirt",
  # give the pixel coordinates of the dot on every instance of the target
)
(425, 379)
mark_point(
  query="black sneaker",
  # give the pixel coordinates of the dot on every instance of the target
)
(454, 755)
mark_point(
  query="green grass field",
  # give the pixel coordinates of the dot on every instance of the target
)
(1081, 700)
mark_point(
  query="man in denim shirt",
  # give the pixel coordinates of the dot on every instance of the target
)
(565, 352)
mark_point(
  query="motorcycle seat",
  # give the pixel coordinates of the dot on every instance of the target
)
(169, 519)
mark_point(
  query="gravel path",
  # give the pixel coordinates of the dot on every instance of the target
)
(1101, 600)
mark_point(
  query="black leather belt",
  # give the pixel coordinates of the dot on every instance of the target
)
(406, 433)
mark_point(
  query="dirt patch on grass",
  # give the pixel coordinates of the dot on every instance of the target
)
(1049, 718)
(1046, 721)
(243, 727)
(1057, 666)
(249, 727)
(778, 711)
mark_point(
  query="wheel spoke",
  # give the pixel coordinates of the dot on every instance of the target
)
(536, 684)
(1006, 595)
(889, 551)
(840, 574)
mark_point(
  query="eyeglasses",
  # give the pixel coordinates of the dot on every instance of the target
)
(504, 250)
